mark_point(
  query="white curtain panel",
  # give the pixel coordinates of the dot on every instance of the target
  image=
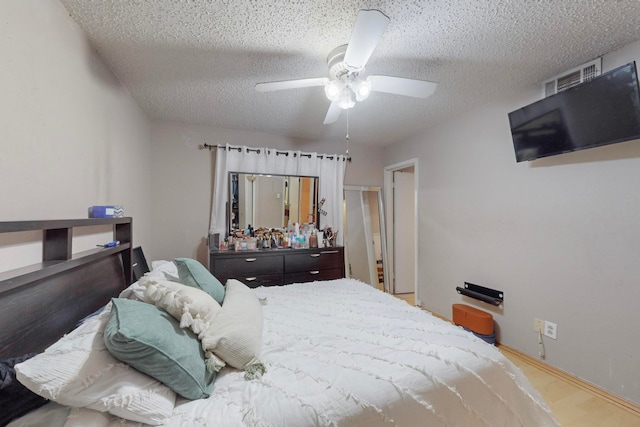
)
(329, 168)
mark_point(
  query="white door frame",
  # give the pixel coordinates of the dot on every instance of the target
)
(389, 215)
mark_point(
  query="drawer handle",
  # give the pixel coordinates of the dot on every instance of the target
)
(314, 272)
(250, 259)
(250, 279)
(314, 255)
(329, 252)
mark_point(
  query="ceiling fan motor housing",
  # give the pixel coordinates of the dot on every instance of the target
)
(337, 67)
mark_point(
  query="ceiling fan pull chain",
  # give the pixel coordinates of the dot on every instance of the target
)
(347, 137)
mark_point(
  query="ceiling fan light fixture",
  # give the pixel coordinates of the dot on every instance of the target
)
(333, 89)
(346, 100)
(362, 89)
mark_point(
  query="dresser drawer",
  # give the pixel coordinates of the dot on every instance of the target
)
(323, 259)
(278, 267)
(257, 281)
(248, 266)
(312, 275)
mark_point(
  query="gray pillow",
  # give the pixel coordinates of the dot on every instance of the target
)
(151, 340)
(194, 274)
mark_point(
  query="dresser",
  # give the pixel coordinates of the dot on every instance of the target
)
(270, 267)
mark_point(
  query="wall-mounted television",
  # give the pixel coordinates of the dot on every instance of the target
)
(601, 111)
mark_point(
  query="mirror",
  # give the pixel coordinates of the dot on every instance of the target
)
(271, 201)
(365, 237)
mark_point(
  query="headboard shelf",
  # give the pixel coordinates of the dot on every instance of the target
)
(20, 276)
(41, 302)
(14, 226)
(57, 241)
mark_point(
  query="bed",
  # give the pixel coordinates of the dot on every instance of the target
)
(336, 353)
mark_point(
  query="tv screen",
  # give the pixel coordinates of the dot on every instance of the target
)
(601, 111)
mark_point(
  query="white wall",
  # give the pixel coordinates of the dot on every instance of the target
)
(183, 178)
(560, 236)
(70, 135)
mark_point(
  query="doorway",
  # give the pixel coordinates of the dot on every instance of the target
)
(401, 188)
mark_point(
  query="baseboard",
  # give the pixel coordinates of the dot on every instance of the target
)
(575, 381)
(566, 377)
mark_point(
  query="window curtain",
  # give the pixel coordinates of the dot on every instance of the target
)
(329, 168)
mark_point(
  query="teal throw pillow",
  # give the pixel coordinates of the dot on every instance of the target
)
(150, 340)
(194, 274)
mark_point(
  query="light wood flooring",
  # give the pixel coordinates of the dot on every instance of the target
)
(409, 298)
(574, 405)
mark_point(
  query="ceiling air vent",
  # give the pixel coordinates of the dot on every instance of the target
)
(573, 77)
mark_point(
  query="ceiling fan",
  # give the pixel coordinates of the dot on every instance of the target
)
(346, 65)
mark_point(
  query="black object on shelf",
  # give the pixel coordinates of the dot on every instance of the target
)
(488, 295)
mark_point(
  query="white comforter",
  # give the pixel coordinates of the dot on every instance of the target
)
(340, 353)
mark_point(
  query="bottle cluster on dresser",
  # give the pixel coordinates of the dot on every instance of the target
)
(295, 235)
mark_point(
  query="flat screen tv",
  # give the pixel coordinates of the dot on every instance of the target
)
(601, 111)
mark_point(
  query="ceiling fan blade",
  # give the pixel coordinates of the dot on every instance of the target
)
(402, 86)
(291, 84)
(369, 27)
(333, 113)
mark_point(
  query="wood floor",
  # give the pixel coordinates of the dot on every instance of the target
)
(409, 298)
(573, 406)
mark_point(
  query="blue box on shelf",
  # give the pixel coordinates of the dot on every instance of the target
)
(109, 211)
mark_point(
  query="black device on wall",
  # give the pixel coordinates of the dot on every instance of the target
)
(601, 111)
(488, 295)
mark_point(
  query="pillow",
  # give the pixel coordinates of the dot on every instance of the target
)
(166, 270)
(160, 270)
(194, 274)
(15, 399)
(193, 308)
(149, 339)
(79, 371)
(235, 336)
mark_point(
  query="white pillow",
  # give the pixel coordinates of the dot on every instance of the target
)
(79, 371)
(194, 308)
(235, 335)
(135, 291)
(164, 270)
(160, 270)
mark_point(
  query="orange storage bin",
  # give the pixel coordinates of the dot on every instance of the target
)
(473, 319)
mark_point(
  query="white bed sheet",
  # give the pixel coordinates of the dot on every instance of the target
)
(340, 353)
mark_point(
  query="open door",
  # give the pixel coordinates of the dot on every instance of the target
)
(365, 246)
(401, 199)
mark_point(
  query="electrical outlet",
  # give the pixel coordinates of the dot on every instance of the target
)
(538, 325)
(550, 330)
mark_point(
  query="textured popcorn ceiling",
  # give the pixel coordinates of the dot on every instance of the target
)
(197, 61)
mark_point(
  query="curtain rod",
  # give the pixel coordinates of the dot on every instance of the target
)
(286, 153)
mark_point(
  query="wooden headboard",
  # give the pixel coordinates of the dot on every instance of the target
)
(42, 302)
